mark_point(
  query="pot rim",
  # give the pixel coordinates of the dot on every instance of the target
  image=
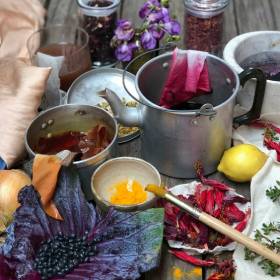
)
(231, 47)
(183, 112)
(78, 163)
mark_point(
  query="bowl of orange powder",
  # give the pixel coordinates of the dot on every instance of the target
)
(121, 182)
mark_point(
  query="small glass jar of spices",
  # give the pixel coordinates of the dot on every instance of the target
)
(204, 21)
(99, 18)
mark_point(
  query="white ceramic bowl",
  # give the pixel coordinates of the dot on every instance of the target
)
(118, 169)
(243, 46)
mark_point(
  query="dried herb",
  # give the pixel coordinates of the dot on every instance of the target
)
(264, 237)
(100, 30)
(274, 192)
(271, 135)
(224, 271)
(204, 34)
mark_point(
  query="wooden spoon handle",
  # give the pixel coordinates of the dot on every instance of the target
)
(239, 237)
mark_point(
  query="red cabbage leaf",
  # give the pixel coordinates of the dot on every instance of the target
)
(128, 244)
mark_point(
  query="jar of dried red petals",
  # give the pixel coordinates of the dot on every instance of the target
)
(99, 18)
(204, 24)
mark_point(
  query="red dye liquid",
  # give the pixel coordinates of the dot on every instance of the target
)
(76, 61)
(85, 144)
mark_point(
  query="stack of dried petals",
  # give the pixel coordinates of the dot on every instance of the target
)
(214, 198)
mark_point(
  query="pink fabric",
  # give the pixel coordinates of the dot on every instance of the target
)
(188, 77)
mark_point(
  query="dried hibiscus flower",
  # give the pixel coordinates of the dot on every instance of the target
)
(84, 245)
(185, 232)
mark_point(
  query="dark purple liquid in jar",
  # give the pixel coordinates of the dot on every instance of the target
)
(100, 30)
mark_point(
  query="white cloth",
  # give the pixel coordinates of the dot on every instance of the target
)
(52, 96)
(263, 209)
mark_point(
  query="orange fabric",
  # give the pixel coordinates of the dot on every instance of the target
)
(18, 20)
(45, 174)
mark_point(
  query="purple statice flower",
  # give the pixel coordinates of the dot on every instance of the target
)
(124, 30)
(124, 52)
(148, 7)
(157, 31)
(148, 41)
(173, 27)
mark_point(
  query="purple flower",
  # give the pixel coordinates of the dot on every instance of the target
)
(148, 41)
(147, 8)
(157, 31)
(124, 30)
(165, 14)
(173, 27)
(155, 16)
(124, 52)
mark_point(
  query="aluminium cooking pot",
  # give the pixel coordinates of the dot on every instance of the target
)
(74, 117)
(175, 140)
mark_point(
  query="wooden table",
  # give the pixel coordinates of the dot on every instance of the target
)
(241, 16)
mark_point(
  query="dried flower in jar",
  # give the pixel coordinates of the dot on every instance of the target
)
(204, 34)
(100, 27)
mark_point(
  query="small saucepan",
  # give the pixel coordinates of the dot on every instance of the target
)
(74, 117)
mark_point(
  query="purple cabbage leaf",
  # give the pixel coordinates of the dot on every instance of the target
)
(128, 244)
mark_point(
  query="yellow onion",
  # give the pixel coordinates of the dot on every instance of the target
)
(11, 181)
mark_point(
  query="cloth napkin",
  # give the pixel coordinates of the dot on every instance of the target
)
(263, 209)
(188, 77)
(21, 85)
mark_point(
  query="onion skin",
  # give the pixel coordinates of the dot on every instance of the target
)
(11, 182)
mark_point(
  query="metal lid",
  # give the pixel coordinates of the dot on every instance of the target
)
(206, 7)
(85, 88)
(96, 11)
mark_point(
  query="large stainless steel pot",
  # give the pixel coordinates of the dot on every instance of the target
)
(174, 140)
(78, 118)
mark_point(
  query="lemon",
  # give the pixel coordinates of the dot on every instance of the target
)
(240, 163)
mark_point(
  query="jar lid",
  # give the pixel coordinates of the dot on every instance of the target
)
(87, 9)
(206, 7)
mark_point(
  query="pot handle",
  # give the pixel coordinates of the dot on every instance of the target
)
(255, 111)
(167, 47)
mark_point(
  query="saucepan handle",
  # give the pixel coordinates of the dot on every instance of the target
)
(167, 47)
(255, 111)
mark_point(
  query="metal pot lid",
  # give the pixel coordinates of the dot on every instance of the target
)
(85, 88)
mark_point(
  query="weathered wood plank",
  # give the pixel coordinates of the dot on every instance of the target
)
(230, 28)
(168, 267)
(61, 11)
(252, 15)
(177, 11)
(129, 10)
(275, 12)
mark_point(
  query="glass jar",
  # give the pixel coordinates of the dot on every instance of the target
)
(99, 18)
(203, 24)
